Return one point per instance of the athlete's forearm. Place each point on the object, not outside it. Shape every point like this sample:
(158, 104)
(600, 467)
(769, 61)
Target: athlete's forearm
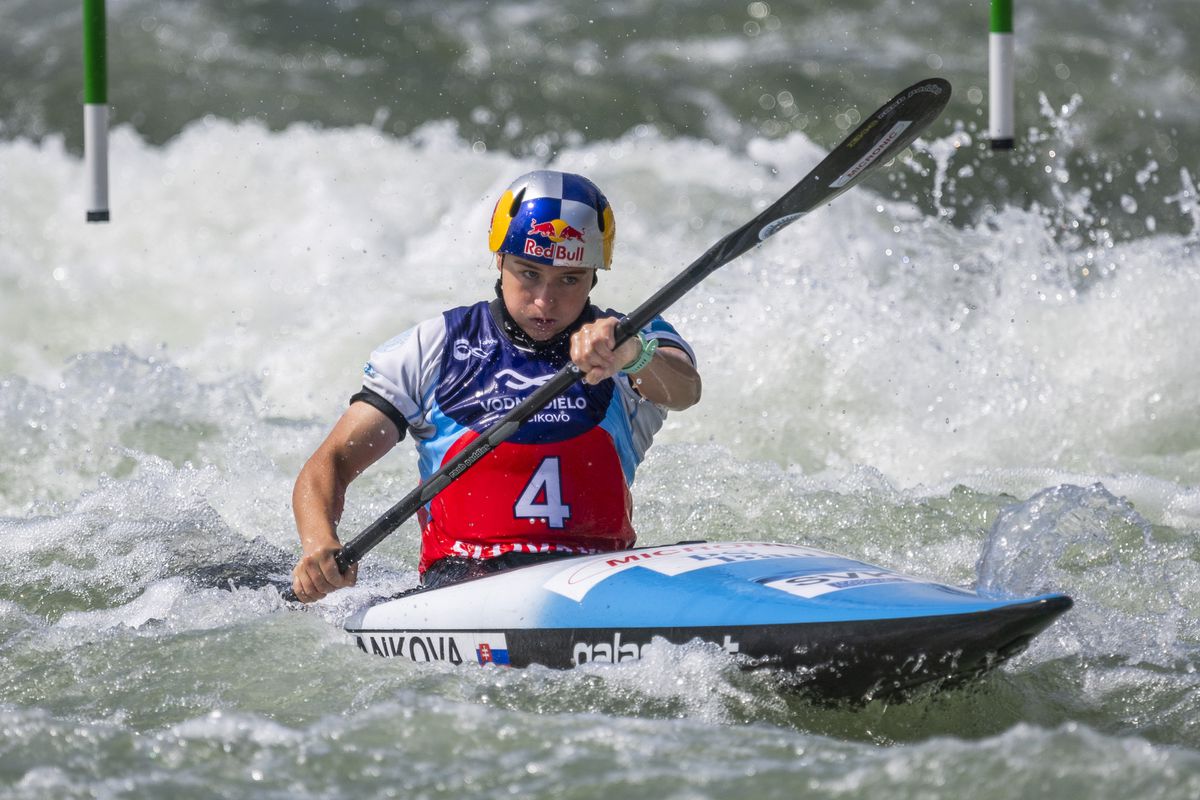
(317, 502)
(669, 380)
(361, 437)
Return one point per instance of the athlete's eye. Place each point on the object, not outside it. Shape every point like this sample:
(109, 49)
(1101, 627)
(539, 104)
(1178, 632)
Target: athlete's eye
(530, 275)
(570, 280)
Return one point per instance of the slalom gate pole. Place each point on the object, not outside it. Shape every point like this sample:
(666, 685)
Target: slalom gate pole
(95, 109)
(1000, 76)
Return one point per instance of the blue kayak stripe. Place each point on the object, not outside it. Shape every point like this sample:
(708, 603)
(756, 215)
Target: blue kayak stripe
(738, 593)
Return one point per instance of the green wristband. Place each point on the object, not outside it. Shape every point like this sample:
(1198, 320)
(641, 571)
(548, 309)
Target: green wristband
(639, 363)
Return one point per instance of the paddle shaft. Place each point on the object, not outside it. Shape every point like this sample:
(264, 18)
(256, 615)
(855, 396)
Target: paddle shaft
(880, 137)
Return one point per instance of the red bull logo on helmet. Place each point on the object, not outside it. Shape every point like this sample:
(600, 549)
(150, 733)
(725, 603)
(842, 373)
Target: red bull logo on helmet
(556, 252)
(556, 230)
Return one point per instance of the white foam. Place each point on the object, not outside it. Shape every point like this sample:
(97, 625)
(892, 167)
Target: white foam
(153, 604)
(866, 334)
(234, 728)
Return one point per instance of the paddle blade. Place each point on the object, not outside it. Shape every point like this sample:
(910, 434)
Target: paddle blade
(878, 139)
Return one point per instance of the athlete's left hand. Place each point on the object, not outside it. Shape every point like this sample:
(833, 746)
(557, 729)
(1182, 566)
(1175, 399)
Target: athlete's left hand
(592, 350)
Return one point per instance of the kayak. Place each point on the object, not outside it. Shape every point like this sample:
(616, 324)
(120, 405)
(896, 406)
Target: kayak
(848, 630)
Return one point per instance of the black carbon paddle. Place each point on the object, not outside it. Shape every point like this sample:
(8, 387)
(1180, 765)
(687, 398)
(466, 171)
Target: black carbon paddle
(878, 139)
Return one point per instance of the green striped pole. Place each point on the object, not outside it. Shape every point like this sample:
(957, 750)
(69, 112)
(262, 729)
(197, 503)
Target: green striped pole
(1001, 76)
(95, 109)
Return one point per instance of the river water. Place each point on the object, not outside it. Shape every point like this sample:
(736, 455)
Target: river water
(976, 367)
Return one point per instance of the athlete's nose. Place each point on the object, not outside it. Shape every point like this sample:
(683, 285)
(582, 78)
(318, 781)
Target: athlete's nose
(543, 295)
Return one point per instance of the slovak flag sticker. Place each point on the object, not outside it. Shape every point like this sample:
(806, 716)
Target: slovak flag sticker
(488, 655)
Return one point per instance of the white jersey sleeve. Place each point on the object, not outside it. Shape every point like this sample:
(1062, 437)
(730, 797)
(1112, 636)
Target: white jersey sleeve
(404, 371)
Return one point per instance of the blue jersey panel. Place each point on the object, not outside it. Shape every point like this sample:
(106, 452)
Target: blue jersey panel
(484, 376)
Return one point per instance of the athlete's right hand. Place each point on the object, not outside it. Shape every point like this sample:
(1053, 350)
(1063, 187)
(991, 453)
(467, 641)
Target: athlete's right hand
(316, 574)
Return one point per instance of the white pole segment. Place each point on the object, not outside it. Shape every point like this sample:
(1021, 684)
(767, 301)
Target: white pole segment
(1000, 90)
(95, 149)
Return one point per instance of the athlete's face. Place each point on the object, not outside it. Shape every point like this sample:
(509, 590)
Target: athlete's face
(543, 300)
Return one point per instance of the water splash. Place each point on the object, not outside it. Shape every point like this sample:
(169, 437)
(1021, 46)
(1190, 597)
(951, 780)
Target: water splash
(1187, 201)
(1137, 589)
(942, 151)
(115, 542)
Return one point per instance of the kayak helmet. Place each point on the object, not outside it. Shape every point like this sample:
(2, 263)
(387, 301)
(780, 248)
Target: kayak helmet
(554, 218)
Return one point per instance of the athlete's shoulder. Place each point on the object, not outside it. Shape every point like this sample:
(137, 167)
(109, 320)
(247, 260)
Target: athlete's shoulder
(460, 314)
(406, 362)
(420, 335)
(425, 342)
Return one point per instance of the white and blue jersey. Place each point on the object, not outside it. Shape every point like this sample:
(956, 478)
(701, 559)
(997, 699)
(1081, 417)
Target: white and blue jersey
(560, 483)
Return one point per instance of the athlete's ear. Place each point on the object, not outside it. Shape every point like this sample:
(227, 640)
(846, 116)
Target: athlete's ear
(500, 262)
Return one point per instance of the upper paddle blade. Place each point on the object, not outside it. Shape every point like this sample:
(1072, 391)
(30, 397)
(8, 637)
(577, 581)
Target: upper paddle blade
(878, 139)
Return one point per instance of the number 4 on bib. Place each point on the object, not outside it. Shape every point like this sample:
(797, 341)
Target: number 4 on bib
(542, 496)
